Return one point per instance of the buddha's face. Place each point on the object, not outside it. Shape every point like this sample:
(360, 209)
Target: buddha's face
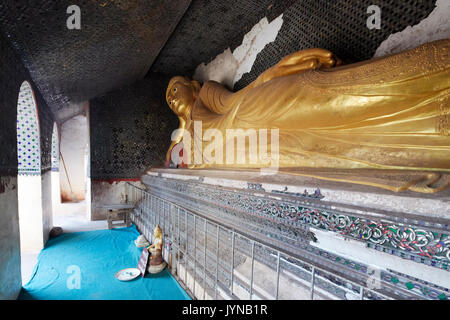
(180, 97)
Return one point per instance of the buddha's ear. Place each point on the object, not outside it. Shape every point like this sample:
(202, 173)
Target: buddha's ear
(196, 88)
(196, 85)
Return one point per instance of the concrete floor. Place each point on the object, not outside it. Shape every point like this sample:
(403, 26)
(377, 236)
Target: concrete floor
(72, 218)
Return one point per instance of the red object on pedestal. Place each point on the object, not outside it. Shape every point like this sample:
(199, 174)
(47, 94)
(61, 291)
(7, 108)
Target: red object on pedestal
(181, 155)
(183, 163)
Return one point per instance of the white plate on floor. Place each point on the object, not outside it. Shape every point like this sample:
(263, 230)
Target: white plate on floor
(128, 274)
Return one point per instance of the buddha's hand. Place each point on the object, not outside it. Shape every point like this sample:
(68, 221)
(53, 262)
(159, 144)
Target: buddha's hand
(316, 58)
(299, 62)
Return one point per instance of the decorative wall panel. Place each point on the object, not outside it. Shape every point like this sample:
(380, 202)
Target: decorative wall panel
(130, 129)
(28, 141)
(11, 78)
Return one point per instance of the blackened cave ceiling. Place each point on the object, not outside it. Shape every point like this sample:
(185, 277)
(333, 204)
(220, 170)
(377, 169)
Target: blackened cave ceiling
(116, 45)
(121, 41)
(210, 26)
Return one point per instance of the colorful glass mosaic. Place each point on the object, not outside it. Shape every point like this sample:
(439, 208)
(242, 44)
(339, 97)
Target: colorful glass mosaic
(55, 148)
(28, 142)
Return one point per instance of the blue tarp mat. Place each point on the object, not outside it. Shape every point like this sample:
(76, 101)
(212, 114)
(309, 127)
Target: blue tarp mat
(97, 255)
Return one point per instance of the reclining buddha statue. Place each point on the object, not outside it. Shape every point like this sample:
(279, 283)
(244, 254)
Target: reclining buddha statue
(389, 113)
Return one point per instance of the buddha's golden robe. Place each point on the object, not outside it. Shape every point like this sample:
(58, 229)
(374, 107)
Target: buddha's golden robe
(386, 113)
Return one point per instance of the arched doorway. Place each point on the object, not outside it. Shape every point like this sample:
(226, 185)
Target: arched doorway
(29, 172)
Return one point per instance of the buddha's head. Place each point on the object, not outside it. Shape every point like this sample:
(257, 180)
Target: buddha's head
(181, 94)
(157, 232)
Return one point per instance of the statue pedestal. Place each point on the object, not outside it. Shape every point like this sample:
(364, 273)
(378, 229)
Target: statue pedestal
(156, 262)
(398, 232)
(157, 268)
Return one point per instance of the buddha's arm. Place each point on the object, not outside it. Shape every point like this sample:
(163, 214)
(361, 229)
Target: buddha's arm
(213, 95)
(298, 62)
(177, 139)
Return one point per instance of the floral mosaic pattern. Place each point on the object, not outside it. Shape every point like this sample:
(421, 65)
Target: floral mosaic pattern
(28, 142)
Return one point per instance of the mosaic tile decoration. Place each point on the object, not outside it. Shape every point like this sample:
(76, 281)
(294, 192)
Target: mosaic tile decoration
(55, 149)
(130, 130)
(28, 141)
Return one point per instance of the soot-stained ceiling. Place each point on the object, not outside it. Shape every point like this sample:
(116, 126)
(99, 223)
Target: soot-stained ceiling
(116, 45)
(122, 41)
(210, 27)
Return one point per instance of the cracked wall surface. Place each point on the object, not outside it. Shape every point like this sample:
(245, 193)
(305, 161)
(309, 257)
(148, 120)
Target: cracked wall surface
(436, 26)
(130, 129)
(228, 67)
(338, 26)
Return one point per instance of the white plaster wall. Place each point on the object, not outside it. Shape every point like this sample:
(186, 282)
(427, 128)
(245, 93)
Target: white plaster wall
(47, 205)
(228, 67)
(30, 213)
(56, 192)
(74, 138)
(108, 192)
(434, 27)
(103, 193)
(10, 277)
